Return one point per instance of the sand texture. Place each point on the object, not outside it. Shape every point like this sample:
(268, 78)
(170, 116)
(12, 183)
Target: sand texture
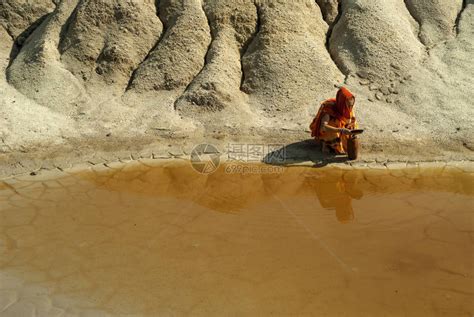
(79, 74)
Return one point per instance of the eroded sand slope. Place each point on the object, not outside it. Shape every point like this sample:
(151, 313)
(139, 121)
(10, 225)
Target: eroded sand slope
(208, 69)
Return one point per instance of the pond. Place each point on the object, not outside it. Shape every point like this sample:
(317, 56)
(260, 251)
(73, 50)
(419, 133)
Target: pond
(143, 239)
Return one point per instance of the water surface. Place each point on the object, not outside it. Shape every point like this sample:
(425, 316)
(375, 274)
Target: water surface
(164, 240)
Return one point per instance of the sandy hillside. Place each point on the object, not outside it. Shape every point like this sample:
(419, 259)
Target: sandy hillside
(116, 75)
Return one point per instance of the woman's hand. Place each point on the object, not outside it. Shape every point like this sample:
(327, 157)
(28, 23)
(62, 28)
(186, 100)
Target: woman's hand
(345, 131)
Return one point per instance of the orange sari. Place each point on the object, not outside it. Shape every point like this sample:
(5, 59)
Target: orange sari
(340, 116)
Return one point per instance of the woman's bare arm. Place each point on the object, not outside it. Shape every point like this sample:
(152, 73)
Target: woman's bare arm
(326, 127)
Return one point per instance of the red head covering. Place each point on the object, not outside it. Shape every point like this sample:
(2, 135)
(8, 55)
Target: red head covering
(341, 108)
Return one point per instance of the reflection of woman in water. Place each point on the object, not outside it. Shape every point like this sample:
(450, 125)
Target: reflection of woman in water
(337, 194)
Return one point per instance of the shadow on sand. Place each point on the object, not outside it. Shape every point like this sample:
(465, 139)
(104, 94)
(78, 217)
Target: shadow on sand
(303, 151)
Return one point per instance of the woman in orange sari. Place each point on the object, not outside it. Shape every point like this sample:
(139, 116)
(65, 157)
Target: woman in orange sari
(334, 121)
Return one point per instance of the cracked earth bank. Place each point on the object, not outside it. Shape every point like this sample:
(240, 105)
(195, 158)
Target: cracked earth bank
(82, 76)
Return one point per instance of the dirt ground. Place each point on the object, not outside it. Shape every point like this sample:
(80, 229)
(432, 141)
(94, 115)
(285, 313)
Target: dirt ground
(98, 82)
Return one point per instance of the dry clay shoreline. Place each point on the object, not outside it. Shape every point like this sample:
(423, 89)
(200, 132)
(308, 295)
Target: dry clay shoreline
(305, 153)
(295, 146)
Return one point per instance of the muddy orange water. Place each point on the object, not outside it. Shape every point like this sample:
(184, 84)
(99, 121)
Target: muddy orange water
(164, 240)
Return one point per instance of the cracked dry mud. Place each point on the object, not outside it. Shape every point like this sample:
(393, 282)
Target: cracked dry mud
(148, 239)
